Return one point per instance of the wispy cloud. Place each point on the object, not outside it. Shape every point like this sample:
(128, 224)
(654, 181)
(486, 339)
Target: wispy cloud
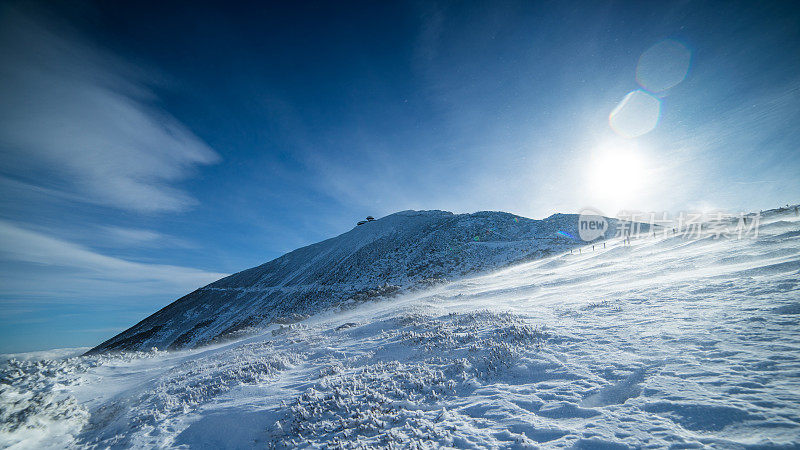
(138, 237)
(133, 235)
(87, 123)
(42, 265)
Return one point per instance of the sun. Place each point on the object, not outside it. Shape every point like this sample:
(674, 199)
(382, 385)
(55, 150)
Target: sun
(616, 173)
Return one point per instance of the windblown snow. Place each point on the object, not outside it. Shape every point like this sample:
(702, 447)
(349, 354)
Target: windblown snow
(666, 342)
(398, 253)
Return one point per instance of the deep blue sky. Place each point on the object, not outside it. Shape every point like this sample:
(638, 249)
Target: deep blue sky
(151, 147)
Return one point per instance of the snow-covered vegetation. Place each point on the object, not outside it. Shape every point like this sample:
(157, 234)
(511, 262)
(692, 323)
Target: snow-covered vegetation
(666, 342)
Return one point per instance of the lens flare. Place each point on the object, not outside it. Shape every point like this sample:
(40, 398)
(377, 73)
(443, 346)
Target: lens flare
(663, 66)
(636, 114)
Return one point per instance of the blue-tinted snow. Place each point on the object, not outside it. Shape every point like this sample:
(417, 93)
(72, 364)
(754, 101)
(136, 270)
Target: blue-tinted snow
(663, 343)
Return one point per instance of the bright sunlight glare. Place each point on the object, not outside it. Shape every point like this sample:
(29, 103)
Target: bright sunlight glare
(616, 173)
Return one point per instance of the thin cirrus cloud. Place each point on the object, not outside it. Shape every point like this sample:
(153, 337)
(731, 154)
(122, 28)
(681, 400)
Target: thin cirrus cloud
(85, 122)
(67, 269)
(123, 237)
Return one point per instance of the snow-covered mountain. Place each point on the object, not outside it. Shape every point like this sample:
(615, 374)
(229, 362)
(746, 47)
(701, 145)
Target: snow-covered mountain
(399, 252)
(668, 342)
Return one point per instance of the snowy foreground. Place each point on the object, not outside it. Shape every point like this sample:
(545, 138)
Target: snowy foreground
(667, 342)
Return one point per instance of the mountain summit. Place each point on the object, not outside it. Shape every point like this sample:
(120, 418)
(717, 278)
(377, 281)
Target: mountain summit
(402, 251)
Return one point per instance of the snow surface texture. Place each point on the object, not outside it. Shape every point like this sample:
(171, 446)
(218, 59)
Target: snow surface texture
(666, 342)
(398, 253)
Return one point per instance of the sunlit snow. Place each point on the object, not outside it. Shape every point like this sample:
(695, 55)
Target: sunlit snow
(666, 342)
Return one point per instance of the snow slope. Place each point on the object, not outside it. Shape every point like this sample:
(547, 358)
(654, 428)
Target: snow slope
(402, 251)
(667, 342)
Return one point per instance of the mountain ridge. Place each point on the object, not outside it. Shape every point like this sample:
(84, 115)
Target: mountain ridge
(401, 251)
